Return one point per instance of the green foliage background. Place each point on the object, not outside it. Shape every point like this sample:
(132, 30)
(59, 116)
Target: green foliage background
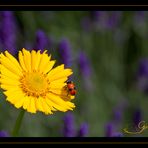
(114, 55)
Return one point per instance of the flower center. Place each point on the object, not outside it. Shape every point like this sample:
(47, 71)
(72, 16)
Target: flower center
(34, 84)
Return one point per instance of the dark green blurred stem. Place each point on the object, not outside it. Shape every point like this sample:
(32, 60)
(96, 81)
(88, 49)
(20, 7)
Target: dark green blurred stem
(18, 123)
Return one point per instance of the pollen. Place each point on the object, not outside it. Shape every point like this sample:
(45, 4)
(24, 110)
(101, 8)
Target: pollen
(35, 84)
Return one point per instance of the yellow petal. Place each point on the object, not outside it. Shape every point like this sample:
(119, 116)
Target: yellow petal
(33, 59)
(27, 59)
(8, 73)
(13, 90)
(8, 81)
(31, 107)
(46, 108)
(49, 103)
(44, 60)
(9, 65)
(56, 106)
(71, 105)
(48, 66)
(13, 60)
(62, 80)
(61, 73)
(19, 103)
(56, 70)
(38, 57)
(26, 102)
(57, 100)
(21, 60)
(7, 87)
(39, 104)
(53, 85)
(13, 96)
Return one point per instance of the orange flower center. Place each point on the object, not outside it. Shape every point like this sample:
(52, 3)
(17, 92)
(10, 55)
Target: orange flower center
(34, 84)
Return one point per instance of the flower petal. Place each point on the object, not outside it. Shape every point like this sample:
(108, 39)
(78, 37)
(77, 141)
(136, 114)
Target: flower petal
(21, 60)
(31, 106)
(58, 73)
(46, 108)
(57, 100)
(27, 59)
(8, 73)
(9, 65)
(33, 59)
(13, 60)
(44, 60)
(38, 58)
(26, 102)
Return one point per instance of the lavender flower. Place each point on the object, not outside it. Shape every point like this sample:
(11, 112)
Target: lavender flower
(113, 20)
(118, 111)
(69, 127)
(118, 115)
(83, 131)
(84, 64)
(65, 52)
(142, 75)
(109, 129)
(96, 15)
(117, 134)
(107, 20)
(8, 31)
(4, 134)
(41, 41)
(137, 117)
(85, 70)
(143, 68)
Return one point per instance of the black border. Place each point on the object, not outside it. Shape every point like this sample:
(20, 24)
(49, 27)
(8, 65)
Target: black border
(73, 140)
(72, 2)
(73, 5)
(48, 5)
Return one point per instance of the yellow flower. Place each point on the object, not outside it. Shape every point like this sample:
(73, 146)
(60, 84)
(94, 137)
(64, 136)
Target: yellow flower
(33, 83)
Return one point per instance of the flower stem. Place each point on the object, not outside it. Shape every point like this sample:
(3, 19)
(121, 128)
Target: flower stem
(18, 123)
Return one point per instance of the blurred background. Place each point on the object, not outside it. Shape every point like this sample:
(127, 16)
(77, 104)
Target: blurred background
(108, 52)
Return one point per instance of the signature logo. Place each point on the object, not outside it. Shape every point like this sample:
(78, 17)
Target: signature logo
(141, 127)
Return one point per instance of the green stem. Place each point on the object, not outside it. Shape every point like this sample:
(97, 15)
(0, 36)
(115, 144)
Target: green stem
(18, 123)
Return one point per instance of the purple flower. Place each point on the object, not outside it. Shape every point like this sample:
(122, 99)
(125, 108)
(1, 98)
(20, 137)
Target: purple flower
(142, 75)
(118, 111)
(41, 42)
(4, 134)
(65, 52)
(118, 115)
(85, 71)
(83, 131)
(117, 134)
(107, 20)
(69, 127)
(143, 68)
(109, 129)
(84, 64)
(96, 15)
(113, 20)
(8, 31)
(137, 116)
